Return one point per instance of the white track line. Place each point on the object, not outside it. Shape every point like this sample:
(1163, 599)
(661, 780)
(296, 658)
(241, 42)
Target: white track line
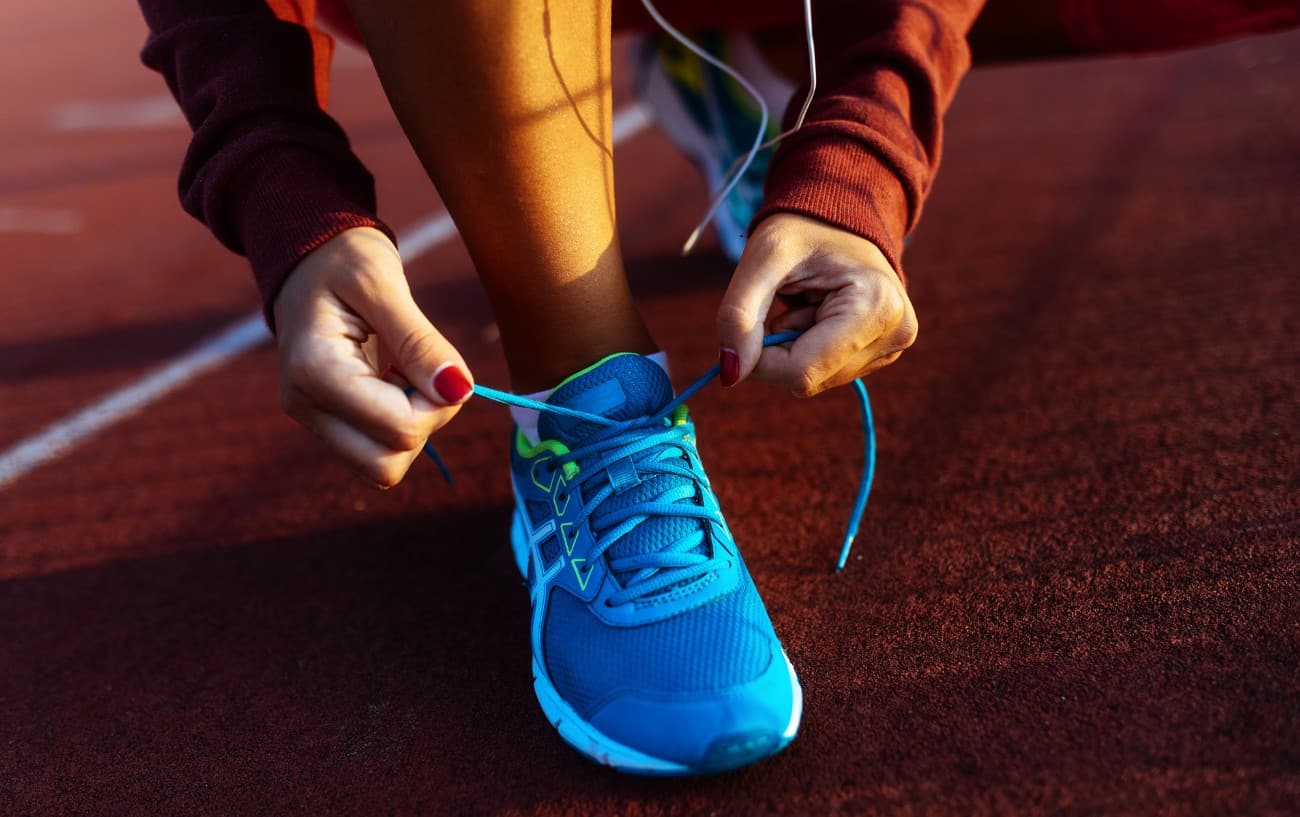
(246, 333)
(39, 220)
(158, 111)
(629, 121)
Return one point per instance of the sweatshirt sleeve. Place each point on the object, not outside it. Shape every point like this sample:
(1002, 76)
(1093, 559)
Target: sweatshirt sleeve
(267, 170)
(867, 153)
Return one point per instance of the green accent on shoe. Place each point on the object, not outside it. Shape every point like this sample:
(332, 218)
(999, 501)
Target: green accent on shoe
(595, 365)
(556, 448)
(583, 578)
(568, 536)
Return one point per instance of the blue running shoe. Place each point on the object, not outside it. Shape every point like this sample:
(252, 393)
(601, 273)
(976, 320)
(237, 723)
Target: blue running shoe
(712, 119)
(652, 651)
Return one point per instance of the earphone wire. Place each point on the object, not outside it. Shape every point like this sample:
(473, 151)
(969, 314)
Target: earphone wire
(742, 164)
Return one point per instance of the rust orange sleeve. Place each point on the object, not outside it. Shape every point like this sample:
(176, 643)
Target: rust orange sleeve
(267, 170)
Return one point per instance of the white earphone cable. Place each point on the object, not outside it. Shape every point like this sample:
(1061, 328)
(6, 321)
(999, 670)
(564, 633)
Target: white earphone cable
(741, 165)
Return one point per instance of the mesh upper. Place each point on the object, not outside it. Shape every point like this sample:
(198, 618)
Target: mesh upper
(550, 550)
(538, 512)
(720, 645)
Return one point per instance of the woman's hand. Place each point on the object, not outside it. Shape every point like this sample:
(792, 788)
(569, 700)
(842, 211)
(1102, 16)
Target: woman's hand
(346, 303)
(834, 284)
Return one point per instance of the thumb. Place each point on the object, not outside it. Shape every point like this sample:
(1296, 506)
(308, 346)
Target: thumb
(419, 352)
(742, 315)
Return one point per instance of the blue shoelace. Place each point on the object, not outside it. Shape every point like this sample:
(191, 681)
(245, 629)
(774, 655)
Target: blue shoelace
(652, 446)
(650, 440)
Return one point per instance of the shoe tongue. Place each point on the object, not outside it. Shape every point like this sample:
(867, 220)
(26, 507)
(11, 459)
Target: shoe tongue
(620, 387)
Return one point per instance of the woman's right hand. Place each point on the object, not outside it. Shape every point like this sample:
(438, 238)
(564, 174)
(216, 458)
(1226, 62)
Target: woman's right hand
(345, 310)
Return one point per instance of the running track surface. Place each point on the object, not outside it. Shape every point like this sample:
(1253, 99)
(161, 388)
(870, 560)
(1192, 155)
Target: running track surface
(1075, 592)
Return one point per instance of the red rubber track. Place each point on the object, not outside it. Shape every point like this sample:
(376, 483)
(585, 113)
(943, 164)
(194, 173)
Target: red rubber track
(1077, 586)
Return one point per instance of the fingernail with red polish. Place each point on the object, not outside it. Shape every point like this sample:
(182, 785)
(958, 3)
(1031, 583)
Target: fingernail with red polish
(729, 362)
(451, 384)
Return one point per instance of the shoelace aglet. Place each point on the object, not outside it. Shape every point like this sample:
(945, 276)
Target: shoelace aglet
(844, 552)
(694, 237)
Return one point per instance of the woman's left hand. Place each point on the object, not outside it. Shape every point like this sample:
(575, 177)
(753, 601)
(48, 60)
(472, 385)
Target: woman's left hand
(832, 283)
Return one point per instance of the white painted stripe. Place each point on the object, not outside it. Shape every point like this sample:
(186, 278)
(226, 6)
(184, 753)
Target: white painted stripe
(247, 333)
(629, 121)
(160, 111)
(425, 235)
(68, 432)
(347, 55)
(38, 220)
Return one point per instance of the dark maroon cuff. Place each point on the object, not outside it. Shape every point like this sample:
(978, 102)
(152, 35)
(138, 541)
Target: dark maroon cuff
(286, 201)
(841, 182)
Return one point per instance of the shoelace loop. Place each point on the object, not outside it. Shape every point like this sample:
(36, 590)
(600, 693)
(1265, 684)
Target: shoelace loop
(655, 447)
(665, 567)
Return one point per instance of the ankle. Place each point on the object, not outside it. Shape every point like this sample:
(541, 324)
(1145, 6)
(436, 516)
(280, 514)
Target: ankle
(541, 360)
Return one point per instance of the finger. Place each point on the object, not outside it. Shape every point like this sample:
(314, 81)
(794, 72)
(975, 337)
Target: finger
(849, 322)
(804, 365)
(336, 376)
(378, 408)
(370, 349)
(742, 314)
(793, 320)
(419, 351)
(844, 328)
(391, 375)
(882, 352)
(796, 298)
(373, 461)
(875, 358)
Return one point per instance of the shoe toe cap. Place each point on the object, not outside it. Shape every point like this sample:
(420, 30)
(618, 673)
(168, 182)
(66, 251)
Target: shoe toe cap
(709, 732)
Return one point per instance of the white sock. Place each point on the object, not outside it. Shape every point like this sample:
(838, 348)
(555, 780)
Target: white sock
(527, 418)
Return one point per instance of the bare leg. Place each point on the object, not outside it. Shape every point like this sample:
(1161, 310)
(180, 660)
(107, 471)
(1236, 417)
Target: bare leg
(508, 105)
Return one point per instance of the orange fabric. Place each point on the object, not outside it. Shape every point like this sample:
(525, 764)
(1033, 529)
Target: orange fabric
(303, 13)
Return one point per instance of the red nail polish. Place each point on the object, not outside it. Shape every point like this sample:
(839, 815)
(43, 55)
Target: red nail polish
(729, 362)
(451, 384)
